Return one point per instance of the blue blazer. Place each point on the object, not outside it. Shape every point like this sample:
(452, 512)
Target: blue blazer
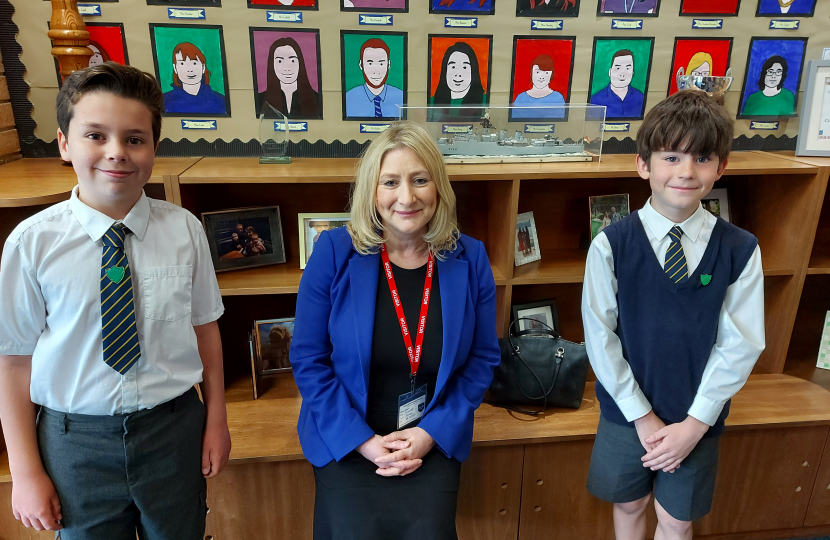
(332, 347)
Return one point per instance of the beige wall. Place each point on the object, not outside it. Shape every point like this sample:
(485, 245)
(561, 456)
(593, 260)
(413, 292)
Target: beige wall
(31, 17)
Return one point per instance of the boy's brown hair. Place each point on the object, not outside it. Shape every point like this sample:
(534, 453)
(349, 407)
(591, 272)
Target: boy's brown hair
(688, 121)
(123, 81)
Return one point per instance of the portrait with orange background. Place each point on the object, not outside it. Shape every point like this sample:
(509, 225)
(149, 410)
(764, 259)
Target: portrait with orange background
(438, 45)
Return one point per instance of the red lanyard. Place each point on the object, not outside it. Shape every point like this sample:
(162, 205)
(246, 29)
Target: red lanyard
(414, 354)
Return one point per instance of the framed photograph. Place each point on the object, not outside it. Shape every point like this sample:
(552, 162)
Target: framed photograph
(773, 74)
(619, 76)
(459, 72)
(540, 314)
(311, 226)
(374, 74)
(380, 6)
(272, 341)
(290, 57)
(244, 237)
(717, 203)
(107, 42)
(699, 56)
(547, 8)
(191, 69)
(616, 8)
(284, 4)
(542, 75)
(527, 241)
(824, 347)
(463, 7)
(790, 8)
(606, 210)
(814, 128)
(722, 8)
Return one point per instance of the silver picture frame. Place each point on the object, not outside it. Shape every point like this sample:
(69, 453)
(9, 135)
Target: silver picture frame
(815, 107)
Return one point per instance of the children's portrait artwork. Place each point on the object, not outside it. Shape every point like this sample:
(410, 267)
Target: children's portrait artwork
(380, 6)
(710, 7)
(285, 4)
(107, 42)
(527, 241)
(619, 76)
(706, 57)
(547, 8)
(776, 8)
(311, 226)
(641, 8)
(287, 75)
(463, 7)
(542, 70)
(606, 210)
(773, 74)
(459, 75)
(273, 341)
(373, 67)
(191, 69)
(185, 3)
(244, 238)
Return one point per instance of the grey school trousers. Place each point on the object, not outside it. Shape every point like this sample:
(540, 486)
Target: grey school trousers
(118, 476)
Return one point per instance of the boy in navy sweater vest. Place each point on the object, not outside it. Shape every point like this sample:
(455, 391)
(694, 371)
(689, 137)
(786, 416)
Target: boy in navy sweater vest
(673, 308)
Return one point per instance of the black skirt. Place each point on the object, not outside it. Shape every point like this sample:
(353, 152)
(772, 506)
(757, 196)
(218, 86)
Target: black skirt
(354, 503)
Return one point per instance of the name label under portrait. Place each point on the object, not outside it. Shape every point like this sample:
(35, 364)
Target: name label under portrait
(177, 13)
(539, 128)
(539, 24)
(199, 124)
(284, 16)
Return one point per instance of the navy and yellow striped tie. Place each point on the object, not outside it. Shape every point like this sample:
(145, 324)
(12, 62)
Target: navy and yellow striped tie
(121, 349)
(675, 265)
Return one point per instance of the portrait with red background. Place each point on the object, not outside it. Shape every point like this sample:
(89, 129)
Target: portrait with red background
(296, 4)
(526, 49)
(109, 37)
(720, 49)
(709, 7)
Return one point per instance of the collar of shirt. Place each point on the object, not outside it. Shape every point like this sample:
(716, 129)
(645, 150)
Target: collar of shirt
(370, 96)
(660, 225)
(95, 223)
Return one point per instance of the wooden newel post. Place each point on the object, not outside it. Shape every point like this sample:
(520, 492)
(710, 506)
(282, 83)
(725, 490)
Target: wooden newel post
(69, 37)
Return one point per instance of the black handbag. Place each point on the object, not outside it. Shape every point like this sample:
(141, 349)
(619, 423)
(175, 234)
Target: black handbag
(538, 367)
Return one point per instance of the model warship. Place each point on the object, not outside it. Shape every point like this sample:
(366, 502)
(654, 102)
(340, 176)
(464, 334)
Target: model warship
(492, 144)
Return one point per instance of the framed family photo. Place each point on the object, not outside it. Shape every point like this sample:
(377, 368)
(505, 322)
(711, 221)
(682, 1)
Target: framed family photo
(814, 128)
(244, 237)
(527, 241)
(272, 341)
(311, 226)
(717, 203)
(606, 210)
(538, 315)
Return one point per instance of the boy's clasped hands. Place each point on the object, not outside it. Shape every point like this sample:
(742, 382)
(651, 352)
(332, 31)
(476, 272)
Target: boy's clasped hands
(667, 446)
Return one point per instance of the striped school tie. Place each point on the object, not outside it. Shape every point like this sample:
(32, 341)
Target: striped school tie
(675, 265)
(120, 337)
(378, 113)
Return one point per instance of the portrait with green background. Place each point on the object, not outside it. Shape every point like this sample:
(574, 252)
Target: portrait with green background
(353, 76)
(207, 39)
(604, 50)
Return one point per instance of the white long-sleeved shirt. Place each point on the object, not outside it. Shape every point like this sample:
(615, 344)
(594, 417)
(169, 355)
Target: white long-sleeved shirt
(740, 338)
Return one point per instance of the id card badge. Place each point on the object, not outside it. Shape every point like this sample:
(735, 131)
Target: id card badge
(411, 406)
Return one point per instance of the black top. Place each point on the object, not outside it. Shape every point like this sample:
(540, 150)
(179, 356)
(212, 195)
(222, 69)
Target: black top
(389, 373)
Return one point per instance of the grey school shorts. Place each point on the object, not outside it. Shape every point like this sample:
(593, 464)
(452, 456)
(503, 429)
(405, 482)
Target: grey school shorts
(127, 475)
(617, 474)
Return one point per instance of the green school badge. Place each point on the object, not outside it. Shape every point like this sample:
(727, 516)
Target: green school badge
(705, 279)
(116, 274)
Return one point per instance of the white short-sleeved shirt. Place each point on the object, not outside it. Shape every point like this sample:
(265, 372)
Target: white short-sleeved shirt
(50, 305)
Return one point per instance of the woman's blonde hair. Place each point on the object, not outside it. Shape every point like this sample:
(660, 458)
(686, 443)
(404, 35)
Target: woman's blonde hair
(365, 225)
(697, 60)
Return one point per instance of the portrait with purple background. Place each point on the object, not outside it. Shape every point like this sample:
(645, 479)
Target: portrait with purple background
(384, 6)
(303, 100)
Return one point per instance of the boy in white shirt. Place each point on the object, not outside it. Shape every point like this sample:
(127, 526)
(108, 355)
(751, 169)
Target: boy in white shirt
(107, 320)
(673, 308)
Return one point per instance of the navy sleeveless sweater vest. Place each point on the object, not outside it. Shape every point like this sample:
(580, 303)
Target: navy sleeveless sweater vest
(668, 330)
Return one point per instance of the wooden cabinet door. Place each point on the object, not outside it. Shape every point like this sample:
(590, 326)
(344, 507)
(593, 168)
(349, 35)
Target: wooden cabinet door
(489, 498)
(818, 513)
(765, 477)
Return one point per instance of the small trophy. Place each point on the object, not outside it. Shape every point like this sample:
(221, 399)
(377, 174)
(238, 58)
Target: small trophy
(273, 135)
(715, 87)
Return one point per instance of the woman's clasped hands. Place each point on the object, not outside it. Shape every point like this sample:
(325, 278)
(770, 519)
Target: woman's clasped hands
(398, 453)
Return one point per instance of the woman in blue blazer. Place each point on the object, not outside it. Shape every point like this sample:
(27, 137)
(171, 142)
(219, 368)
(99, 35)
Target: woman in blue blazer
(386, 445)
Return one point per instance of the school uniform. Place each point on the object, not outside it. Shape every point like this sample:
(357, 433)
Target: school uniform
(676, 331)
(105, 433)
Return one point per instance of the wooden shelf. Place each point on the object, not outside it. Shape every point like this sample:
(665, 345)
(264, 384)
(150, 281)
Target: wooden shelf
(556, 266)
(819, 264)
(5, 473)
(805, 368)
(30, 182)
